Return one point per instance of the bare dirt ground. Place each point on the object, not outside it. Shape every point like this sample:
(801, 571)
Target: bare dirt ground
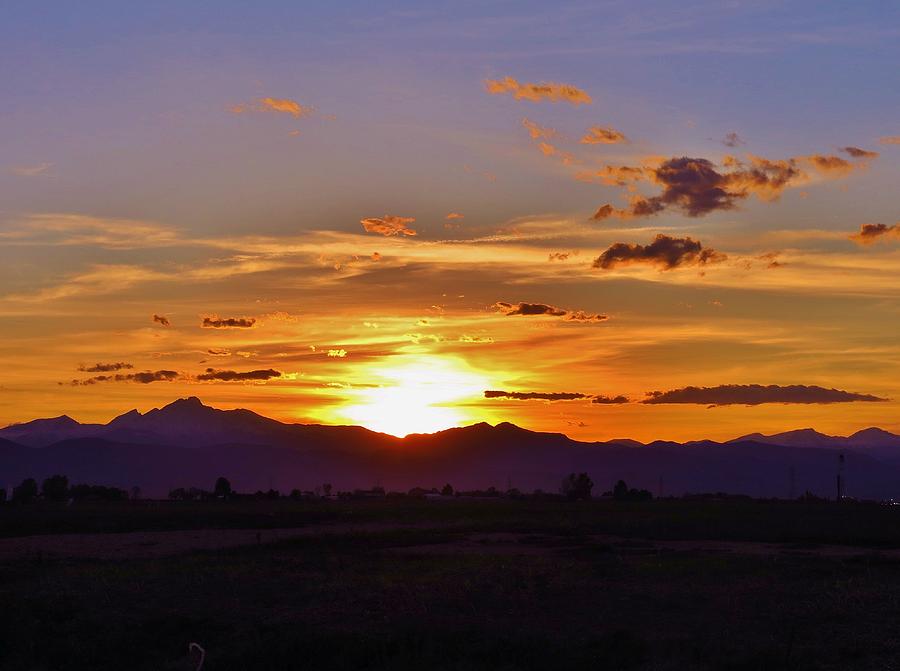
(152, 544)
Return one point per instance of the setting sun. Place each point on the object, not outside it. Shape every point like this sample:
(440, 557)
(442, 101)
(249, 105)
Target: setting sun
(421, 394)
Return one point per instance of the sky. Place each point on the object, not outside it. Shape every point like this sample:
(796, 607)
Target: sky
(651, 220)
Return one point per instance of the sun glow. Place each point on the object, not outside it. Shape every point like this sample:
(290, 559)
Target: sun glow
(418, 395)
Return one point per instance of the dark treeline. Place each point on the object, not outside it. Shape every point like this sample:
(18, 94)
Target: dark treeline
(574, 487)
(57, 488)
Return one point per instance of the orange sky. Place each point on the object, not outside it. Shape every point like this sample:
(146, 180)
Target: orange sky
(351, 242)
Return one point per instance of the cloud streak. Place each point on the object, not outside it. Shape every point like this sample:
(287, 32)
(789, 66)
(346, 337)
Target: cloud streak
(213, 375)
(755, 394)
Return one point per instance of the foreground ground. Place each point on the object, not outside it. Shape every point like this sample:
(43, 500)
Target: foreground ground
(481, 585)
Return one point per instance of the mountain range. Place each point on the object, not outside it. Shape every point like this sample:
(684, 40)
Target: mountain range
(187, 443)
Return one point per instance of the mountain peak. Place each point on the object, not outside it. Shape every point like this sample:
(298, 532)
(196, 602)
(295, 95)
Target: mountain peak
(189, 402)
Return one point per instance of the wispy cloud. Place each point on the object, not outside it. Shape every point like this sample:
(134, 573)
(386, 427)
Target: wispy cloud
(549, 91)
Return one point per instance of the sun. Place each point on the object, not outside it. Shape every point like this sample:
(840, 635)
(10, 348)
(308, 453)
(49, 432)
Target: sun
(416, 394)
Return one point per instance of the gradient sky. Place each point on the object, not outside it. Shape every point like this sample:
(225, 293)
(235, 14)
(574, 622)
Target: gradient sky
(263, 167)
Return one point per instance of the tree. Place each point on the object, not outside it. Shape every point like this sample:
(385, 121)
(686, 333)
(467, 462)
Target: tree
(447, 490)
(576, 487)
(327, 489)
(55, 488)
(26, 492)
(222, 489)
(620, 491)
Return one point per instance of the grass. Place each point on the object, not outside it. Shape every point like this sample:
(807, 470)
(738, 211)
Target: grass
(358, 601)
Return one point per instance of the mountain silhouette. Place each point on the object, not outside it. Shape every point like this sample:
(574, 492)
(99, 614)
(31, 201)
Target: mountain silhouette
(187, 443)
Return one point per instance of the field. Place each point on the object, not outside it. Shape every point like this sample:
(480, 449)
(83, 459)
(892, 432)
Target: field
(450, 585)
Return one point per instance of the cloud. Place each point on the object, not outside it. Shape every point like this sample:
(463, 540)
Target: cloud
(664, 251)
(756, 394)
(475, 339)
(536, 131)
(145, 377)
(856, 152)
(218, 352)
(388, 225)
(697, 187)
(105, 367)
(609, 400)
(531, 309)
(535, 395)
(214, 322)
(550, 91)
(212, 374)
(889, 139)
(455, 215)
(77, 229)
(336, 353)
(280, 105)
(601, 135)
(732, 139)
(31, 170)
(869, 233)
(159, 319)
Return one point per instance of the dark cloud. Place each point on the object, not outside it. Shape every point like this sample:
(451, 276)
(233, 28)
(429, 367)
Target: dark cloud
(609, 400)
(159, 319)
(535, 395)
(531, 309)
(732, 140)
(105, 367)
(869, 233)
(235, 376)
(601, 135)
(145, 377)
(756, 394)
(215, 322)
(697, 187)
(664, 251)
(856, 152)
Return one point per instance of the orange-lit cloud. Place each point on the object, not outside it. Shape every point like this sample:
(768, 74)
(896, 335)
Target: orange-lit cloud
(454, 215)
(665, 252)
(105, 367)
(549, 91)
(889, 139)
(536, 131)
(268, 104)
(388, 225)
(601, 135)
(869, 233)
(161, 320)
